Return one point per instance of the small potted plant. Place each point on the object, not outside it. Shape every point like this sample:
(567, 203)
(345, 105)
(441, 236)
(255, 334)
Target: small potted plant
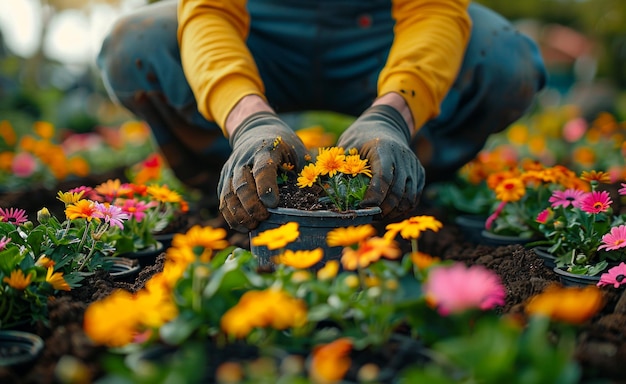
(333, 185)
(521, 194)
(148, 208)
(582, 232)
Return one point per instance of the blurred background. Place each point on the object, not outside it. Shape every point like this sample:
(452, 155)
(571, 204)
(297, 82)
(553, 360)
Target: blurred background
(47, 74)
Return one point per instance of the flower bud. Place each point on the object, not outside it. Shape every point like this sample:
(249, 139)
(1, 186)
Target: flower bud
(43, 215)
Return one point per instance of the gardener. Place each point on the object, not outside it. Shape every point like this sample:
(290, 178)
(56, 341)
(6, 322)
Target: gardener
(428, 80)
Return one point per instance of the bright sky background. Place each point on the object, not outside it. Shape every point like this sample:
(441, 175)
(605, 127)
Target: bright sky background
(74, 36)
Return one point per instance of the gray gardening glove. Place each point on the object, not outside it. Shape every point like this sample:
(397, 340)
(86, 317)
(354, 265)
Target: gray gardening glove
(381, 135)
(248, 182)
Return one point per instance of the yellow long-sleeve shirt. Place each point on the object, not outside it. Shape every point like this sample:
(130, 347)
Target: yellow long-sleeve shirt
(430, 37)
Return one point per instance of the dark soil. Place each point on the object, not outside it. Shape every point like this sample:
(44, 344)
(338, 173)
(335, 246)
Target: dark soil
(601, 347)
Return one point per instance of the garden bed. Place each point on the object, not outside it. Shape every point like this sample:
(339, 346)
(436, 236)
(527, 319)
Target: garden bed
(600, 349)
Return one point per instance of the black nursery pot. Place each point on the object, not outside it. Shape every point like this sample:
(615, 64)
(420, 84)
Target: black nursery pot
(471, 227)
(313, 227)
(148, 256)
(18, 348)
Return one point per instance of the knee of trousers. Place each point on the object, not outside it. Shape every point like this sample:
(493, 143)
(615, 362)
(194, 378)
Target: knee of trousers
(126, 56)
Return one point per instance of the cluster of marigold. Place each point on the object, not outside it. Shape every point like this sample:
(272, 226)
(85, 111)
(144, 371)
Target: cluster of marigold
(563, 136)
(450, 288)
(38, 154)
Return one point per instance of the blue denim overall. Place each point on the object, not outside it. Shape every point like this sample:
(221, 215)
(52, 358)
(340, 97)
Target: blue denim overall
(318, 55)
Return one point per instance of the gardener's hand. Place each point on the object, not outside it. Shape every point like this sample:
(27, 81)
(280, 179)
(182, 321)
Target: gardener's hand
(248, 182)
(381, 135)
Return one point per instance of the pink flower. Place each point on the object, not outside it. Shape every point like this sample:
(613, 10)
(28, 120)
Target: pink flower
(574, 129)
(457, 288)
(544, 216)
(596, 202)
(135, 209)
(622, 190)
(615, 276)
(24, 164)
(571, 196)
(111, 214)
(16, 216)
(3, 242)
(494, 215)
(88, 193)
(615, 239)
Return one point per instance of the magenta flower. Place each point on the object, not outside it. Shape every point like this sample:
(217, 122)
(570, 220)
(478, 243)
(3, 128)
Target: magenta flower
(596, 202)
(457, 288)
(135, 209)
(88, 193)
(15, 216)
(24, 165)
(544, 216)
(111, 214)
(615, 239)
(615, 276)
(3, 242)
(490, 220)
(571, 196)
(622, 190)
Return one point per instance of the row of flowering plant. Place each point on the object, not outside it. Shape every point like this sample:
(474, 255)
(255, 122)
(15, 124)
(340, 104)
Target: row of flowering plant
(521, 193)
(39, 258)
(581, 227)
(315, 322)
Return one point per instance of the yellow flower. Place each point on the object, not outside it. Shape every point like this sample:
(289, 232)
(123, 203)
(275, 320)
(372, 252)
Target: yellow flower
(308, 176)
(369, 251)
(17, 280)
(331, 362)
(70, 197)
(511, 189)
(584, 156)
(208, 238)
(412, 227)
(81, 209)
(164, 194)
(113, 331)
(517, 134)
(278, 237)
(423, 260)
(345, 237)
(269, 308)
(134, 132)
(56, 280)
(573, 305)
(330, 160)
(354, 165)
(155, 302)
(329, 270)
(300, 259)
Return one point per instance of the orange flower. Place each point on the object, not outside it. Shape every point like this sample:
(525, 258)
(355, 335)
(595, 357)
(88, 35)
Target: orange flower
(423, 260)
(300, 259)
(7, 133)
(111, 189)
(330, 362)
(18, 280)
(115, 331)
(81, 209)
(44, 129)
(573, 305)
(315, 137)
(345, 237)
(278, 237)
(369, 251)
(511, 189)
(598, 176)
